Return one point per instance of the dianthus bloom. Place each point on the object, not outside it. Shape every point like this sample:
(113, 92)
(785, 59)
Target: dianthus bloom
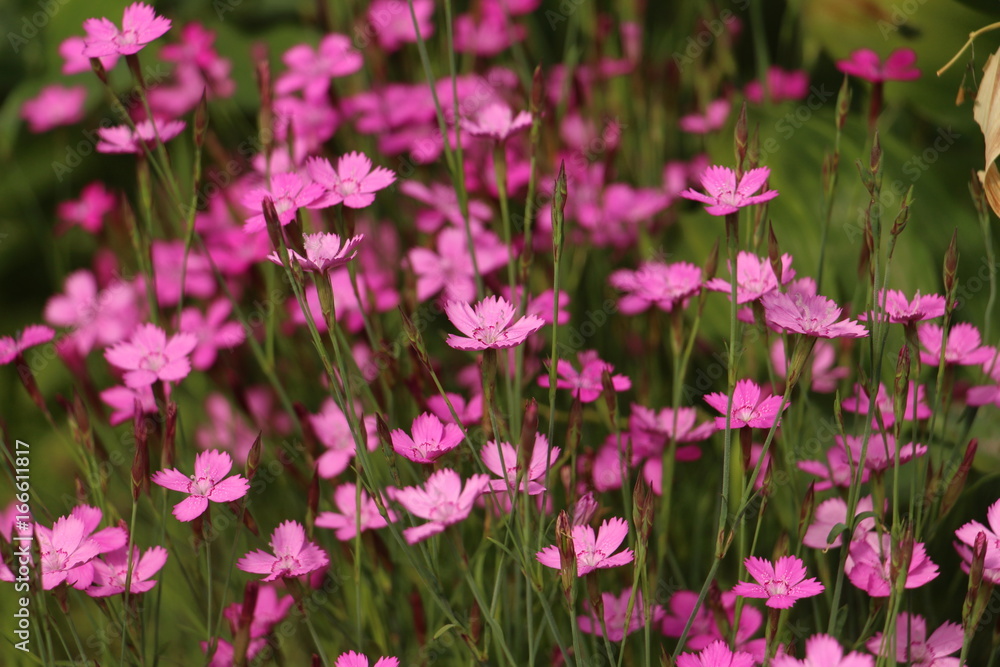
(431, 439)
(825, 651)
(615, 610)
(352, 659)
(140, 26)
(903, 311)
(963, 347)
(865, 64)
(288, 193)
(112, 572)
(501, 459)
(54, 106)
(148, 356)
(781, 583)
(121, 138)
(713, 118)
(725, 195)
(488, 325)
(716, 654)
(750, 408)
(808, 315)
(497, 121)
(967, 536)
(324, 252)
(915, 648)
(442, 501)
(588, 383)
(346, 522)
(35, 334)
(593, 552)
(310, 71)
(354, 182)
(665, 286)
(293, 555)
(755, 277)
(209, 482)
(869, 564)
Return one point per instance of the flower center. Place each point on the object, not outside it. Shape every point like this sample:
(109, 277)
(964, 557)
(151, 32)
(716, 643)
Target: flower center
(153, 361)
(283, 203)
(349, 187)
(200, 486)
(444, 511)
(127, 38)
(54, 561)
(285, 563)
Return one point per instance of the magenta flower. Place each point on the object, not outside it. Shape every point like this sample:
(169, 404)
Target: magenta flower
(324, 252)
(593, 552)
(111, 572)
(225, 428)
(713, 118)
(431, 439)
(32, 335)
(89, 210)
(443, 201)
(293, 555)
(865, 64)
(915, 648)
(354, 182)
(824, 374)
(869, 565)
(968, 532)
(333, 430)
(963, 347)
(859, 403)
(781, 583)
(509, 469)
(121, 138)
(754, 277)
(97, 317)
(345, 522)
(716, 654)
(497, 121)
(825, 651)
(140, 26)
(394, 27)
(587, 383)
(781, 85)
(212, 331)
(169, 264)
(65, 547)
(705, 627)
(615, 610)
(352, 659)
(441, 500)
(107, 539)
(750, 408)
(990, 393)
(209, 482)
(148, 356)
(469, 412)
(310, 71)
(54, 106)
(450, 268)
(665, 286)
(808, 315)
(488, 325)
(123, 400)
(74, 62)
(288, 192)
(725, 195)
(829, 514)
(902, 311)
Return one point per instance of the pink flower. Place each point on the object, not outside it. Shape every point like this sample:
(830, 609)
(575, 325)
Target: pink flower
(705, 627)
(111, 572)
(444, 207)
(288, 192)
(324, 252)
(781, 85)
(393, 25)
(74, 62)
(754, 277)
(880, 455)
(469, 412)
(496, 121)
(352, 659)
(749, 407)
(587, 384)
(451, 268)
(593, 552)
(209, 482)
(140, 26)
(712, 119)
(293, 555)
(212, 331)
(865, 64)
(716, 654)
(121, 138)
(89, 210)
(825, 651)
(665, 286)
(488, 34)
(869, 565)
(441, 500)
(169, 264)
(334, 431)
(148, 356)
(509, 469)
(225, 428)
(824, 374)
(808, 315)
(107, 539)
(963, 347)
(986, 394)
(54, 106)
(902, 311)
(915, 648)
(431, 439)
(615, 610)
(725, 195)
(488, 325)
(35, 334)
(123, 402)
(345, 522)
(353, 183)
(829, 514)
(781, 583)
(65, 547)
(100, 317)
(860, 404)
(968, 532)
(310, 71)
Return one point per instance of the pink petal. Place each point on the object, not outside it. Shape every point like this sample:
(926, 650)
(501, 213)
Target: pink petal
(190, 508)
